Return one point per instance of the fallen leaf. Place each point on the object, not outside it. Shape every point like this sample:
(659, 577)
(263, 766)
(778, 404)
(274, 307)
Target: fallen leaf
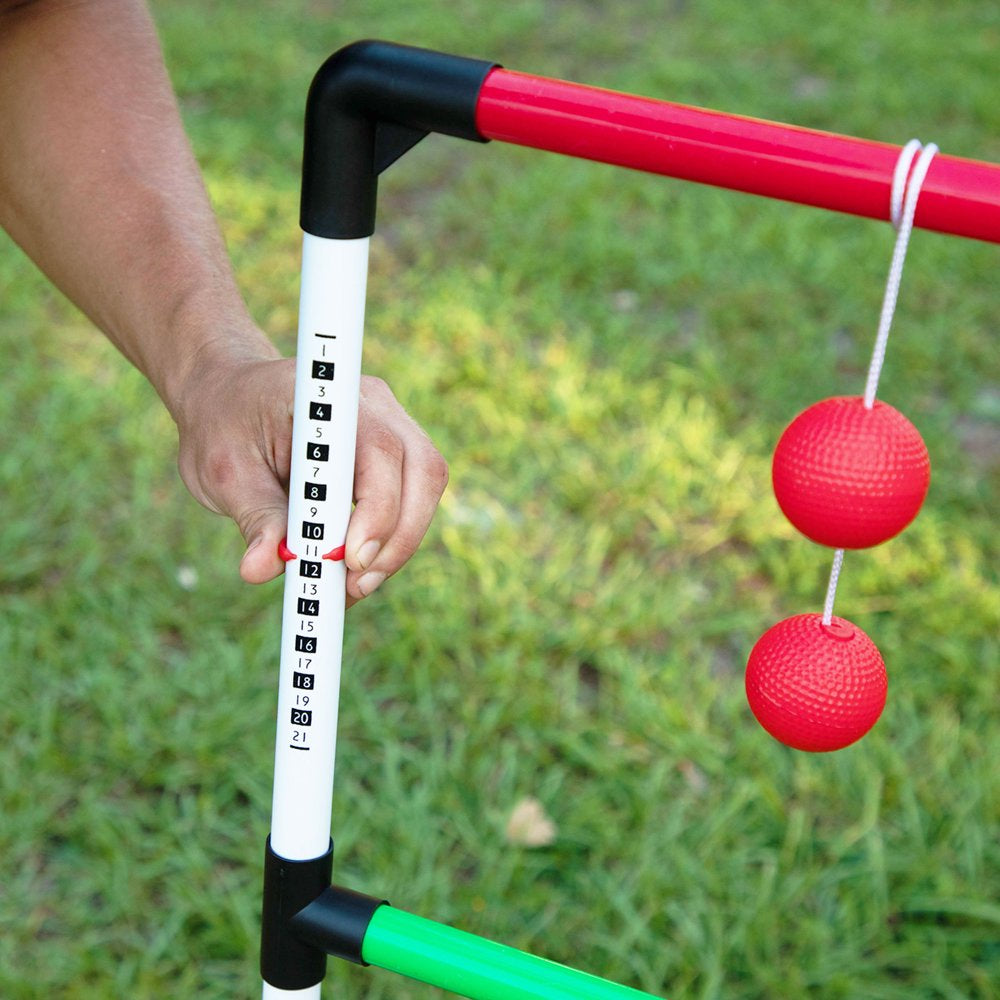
(529, 825)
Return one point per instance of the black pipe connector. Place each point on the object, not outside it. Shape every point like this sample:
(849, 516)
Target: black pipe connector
(337, 922)
(286, 961)
(305, 919)
(369, 103)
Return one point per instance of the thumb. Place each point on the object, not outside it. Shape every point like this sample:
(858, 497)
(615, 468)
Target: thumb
(263, 520)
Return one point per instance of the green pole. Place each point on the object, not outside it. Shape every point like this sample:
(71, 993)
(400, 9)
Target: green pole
(473, 967)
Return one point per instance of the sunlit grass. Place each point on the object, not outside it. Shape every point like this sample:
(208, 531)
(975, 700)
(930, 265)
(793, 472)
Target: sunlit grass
(606, 360)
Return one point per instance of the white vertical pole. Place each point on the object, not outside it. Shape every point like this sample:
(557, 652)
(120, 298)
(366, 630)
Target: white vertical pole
(274, 993)
(327, 390)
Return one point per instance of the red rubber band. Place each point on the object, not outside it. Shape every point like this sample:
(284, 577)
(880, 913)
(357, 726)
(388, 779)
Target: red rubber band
(284, 552)
(337, 554)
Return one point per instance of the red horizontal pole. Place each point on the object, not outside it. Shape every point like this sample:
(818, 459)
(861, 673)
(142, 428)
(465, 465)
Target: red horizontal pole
(959, 196)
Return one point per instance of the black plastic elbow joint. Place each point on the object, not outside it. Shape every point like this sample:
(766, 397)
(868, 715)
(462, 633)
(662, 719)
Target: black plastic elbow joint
(369, 103)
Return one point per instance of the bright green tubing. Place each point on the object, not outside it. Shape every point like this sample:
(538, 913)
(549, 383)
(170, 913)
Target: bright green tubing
(474, 967)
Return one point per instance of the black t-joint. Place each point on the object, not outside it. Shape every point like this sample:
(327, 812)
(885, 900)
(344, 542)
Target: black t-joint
(286, 961)
(369, 103)
(305, 919)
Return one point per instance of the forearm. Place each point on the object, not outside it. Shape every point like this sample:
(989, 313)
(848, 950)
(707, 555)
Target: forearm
(99, 187)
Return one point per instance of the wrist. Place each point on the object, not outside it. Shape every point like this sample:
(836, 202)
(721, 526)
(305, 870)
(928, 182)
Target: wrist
(204, 325)
(199, 359)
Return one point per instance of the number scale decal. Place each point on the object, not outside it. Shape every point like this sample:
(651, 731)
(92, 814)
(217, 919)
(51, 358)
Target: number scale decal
(327, 389)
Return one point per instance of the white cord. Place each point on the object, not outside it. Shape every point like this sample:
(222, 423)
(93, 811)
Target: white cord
(831, 590)
(903, 207)
(906, 185)
(899, 176)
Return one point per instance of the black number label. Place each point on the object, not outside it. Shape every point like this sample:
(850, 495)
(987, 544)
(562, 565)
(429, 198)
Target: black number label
(315, 491)
(313, 569)
(301, 717)
(302, 681)
(323, 370)
(312, 530)
(318, 452)
(319, 411)
(305, 644)
(308, 607)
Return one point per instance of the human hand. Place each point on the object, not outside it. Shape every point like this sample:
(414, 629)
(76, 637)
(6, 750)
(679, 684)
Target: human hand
(235, 430)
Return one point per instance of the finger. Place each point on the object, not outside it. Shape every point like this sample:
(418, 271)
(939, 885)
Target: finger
(386, 535)
(234, 454)
(260, 510)
(261, 561)
(399, 479)
(378, 493)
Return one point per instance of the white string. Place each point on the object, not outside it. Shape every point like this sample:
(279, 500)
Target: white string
(899, 176)
(831, 590)
(903, 197)
(902, 207)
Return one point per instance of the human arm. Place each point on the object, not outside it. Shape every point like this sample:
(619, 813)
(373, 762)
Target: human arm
(99, 186)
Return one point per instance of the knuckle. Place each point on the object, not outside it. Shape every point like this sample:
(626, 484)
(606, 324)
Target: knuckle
(436, 470)
(386, 442)
(405, 541)
(375, 386)
(264, 520)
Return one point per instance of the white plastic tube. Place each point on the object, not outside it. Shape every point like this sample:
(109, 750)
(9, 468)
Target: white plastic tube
(273, 993)
(327, 388)
(321, 491)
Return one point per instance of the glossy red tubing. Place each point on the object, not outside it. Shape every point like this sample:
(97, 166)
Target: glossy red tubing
(838, 172)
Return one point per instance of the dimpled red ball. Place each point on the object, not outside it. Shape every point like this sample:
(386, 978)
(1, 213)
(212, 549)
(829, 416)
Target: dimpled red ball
(850, 477)
(813, 686)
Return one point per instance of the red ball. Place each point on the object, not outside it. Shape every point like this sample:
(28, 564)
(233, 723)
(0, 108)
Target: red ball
(850, 477)
(813, 686)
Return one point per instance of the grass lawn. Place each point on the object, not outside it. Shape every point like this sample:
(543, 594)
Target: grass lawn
(606, 359)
